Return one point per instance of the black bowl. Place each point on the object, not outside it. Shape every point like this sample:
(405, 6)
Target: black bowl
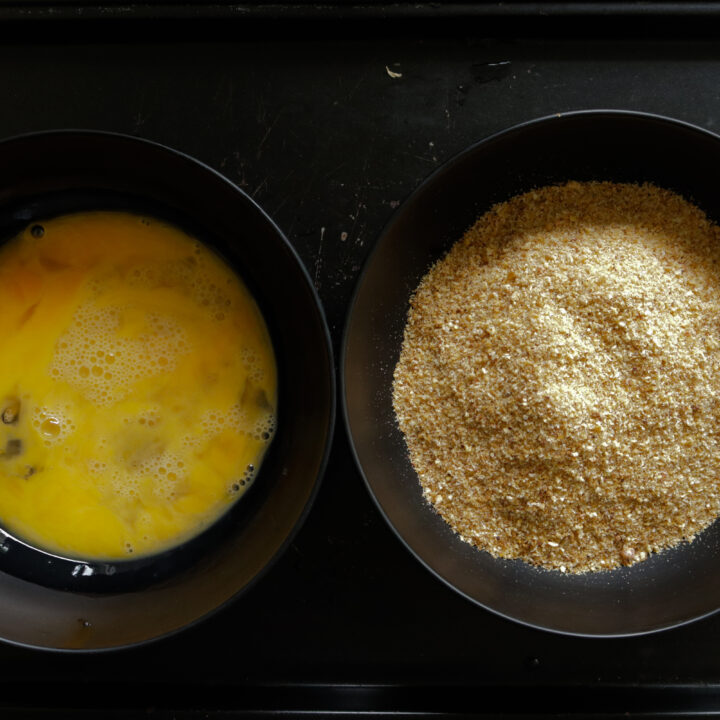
(668, 589)
(47, 601)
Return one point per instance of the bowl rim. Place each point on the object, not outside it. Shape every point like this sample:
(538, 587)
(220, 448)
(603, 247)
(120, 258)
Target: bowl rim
(418, 190)
(327, 350)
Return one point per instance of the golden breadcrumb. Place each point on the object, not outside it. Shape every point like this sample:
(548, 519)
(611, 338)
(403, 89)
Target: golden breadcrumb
(559, 381)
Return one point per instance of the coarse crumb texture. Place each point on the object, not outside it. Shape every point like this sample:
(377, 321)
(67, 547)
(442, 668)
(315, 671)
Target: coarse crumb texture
(559, 381)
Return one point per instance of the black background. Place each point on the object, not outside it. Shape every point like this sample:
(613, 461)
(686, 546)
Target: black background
(301, 112)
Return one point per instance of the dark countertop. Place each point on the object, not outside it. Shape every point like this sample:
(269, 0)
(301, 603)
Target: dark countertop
(305, 117)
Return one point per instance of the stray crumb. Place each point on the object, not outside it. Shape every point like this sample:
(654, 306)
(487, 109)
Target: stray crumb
(392, 73)
(11, 412)
(13, 447)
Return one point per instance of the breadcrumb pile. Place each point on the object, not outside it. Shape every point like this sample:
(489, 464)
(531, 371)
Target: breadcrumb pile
(559, 381)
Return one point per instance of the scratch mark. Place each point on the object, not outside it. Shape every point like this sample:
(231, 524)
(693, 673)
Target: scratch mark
(330, 173)
(447, 112)
(259, 187)
(356, 86)
(361, 205)
(415, 156)
(261, 112)
(287, 197)
(490, 71)
(355, 217)
(266, 135)
(224, 94)
(227, 110)
(318, 260)
(139, 121)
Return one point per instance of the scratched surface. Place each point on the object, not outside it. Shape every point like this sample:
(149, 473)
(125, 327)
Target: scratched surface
(329, 132)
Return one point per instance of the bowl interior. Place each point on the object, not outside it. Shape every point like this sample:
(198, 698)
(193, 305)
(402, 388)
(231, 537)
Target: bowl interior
(57, 603)
(668, 589)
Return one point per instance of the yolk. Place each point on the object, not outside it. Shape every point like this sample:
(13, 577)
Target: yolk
(137, 386)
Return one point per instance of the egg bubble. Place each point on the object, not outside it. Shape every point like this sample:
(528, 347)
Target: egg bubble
(264, 427)
(97, 339)
(53, 424)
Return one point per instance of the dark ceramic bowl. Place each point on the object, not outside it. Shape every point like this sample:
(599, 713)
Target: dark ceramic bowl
(668, 589)
(59, 603)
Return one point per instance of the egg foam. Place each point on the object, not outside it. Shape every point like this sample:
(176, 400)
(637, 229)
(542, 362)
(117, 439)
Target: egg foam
(138, 386)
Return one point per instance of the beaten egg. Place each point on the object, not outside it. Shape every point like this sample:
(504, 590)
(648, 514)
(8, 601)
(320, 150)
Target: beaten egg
(138, 386)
